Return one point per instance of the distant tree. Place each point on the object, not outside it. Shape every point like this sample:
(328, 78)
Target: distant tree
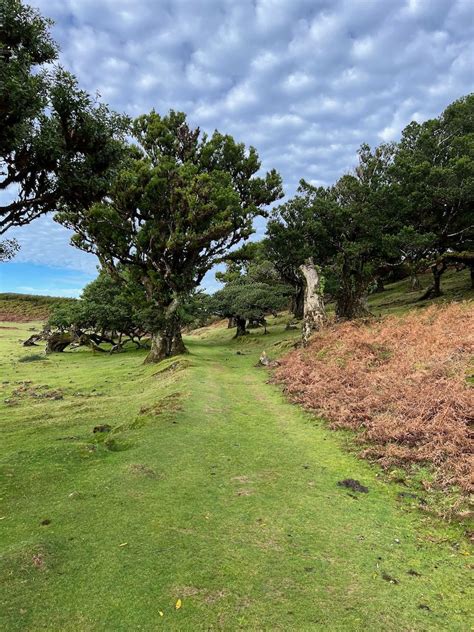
(57, 145)
(107, 311)
(250, 297)
(290, 242)
(196, 310)
(179, 203)
(343, 228)
(434, 170)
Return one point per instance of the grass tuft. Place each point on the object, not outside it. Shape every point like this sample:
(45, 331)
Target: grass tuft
(32, 357)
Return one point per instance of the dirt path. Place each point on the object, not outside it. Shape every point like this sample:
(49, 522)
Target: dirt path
(316, 553)
(210, 489)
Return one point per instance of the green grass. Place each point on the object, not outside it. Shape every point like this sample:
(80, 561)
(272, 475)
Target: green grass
(211, 489)
(398, 297)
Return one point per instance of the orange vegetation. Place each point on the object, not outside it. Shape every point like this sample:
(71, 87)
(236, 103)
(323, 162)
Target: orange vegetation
(402, 381)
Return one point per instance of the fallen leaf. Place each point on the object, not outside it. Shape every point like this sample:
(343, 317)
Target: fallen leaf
(178, 604)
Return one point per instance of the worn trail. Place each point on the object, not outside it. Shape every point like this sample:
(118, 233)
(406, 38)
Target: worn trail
(214, 491)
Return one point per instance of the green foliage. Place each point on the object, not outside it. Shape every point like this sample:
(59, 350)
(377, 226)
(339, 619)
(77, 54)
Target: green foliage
(252, 295)
(109, 307)
(58, 147)
(343, 227)
(180, 201)
(434, 173)
(8, 249)
(196, 310)
(26, 46)
(64, 316)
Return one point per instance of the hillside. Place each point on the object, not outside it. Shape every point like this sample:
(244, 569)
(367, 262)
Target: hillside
(398, 297)
(28, 307)
(400, 382)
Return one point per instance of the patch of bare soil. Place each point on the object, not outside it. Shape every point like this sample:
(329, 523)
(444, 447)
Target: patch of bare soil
(26, 390)
(350, 483)
(139, 469)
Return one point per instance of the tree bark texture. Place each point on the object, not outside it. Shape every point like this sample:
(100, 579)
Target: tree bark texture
(351, 296)
(57, 342)
(297, 307)
(240, 323)
(167, 341)
(314, 316)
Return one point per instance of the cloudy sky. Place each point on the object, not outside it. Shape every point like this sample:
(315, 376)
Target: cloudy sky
(304, 81)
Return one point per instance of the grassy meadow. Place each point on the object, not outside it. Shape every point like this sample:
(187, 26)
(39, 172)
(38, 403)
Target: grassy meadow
(212, 503)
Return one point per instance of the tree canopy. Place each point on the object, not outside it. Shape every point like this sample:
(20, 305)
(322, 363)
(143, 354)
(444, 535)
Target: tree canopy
(434, 172)
(58, 145)
(179, 202)
(251, 295)
(342, 228)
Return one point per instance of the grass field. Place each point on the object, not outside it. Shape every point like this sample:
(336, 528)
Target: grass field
(398, 297)
(210, 489)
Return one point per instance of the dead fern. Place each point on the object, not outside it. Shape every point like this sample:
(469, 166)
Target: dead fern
(402, 381)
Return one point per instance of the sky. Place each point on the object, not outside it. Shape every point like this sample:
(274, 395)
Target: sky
(304, 81)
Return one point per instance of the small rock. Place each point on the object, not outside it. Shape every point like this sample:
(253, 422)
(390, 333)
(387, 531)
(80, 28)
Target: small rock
(102, 428)
(389, 578)
(350, 483)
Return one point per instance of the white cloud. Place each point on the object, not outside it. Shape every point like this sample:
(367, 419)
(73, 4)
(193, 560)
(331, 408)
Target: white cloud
(305, 81)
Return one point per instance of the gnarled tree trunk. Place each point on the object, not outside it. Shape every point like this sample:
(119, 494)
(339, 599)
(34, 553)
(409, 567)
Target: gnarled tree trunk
(58, 341)
(240, 323)
(167, 341)
(415, 283)
(438, 269)
(297, 303)
(314, 312)
(351, 298)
